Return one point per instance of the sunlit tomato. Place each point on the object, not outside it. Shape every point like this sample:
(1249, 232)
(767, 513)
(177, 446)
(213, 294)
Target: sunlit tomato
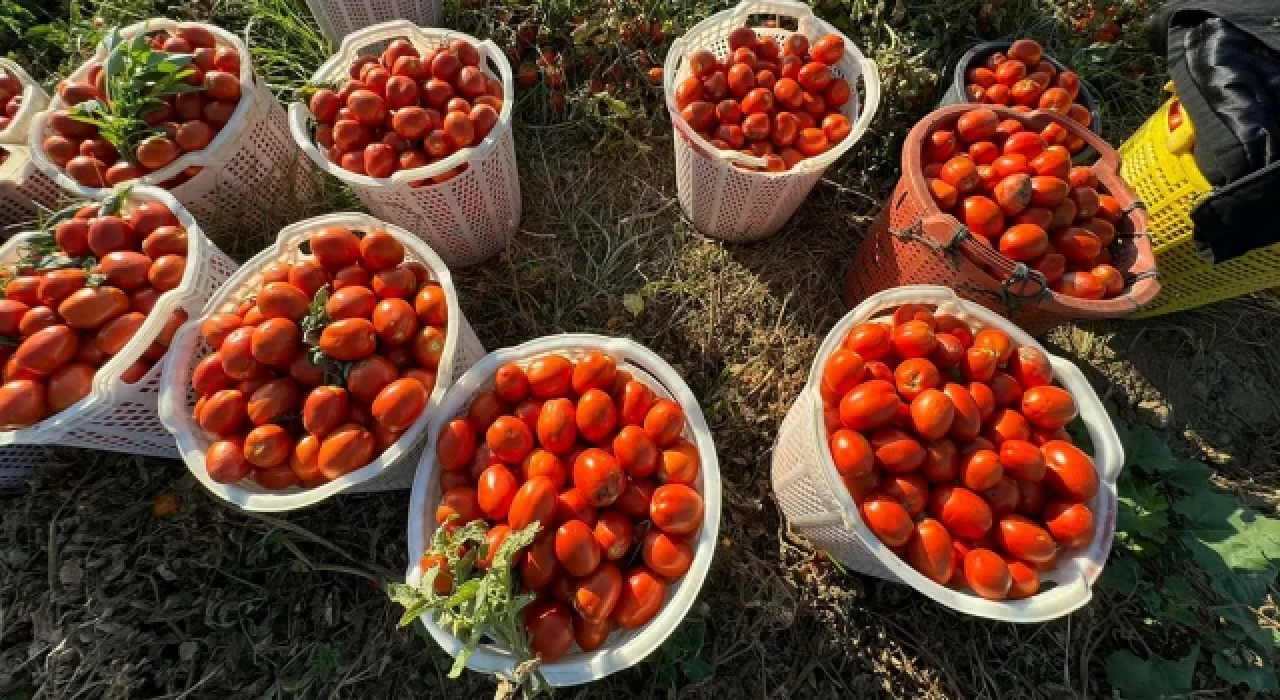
(896, 451)
(979, 364)
(981, 470)
(456, 445)
(510, 383)
(69, 384)
(929, 551)
(596, 595)
(887, 519)
(634, 403)
(636, 498)
(669, 556)
(987, 574)
(869, 405)
(948, 352)
(47, 349)
(1022, 460)
(272, 400)
(676, 509)
(22, 403)
(851, 453)
(282, 300)
(550, 628)
(428, 347)
(961, 173)
(534, 501)
(225, 461)
(911, 490)
(324, 409)
(963, 512)
(664, 422)
(614, 533)
(599, 477)
(432, 305)
(268, 446)
(224, 412)
(1048, 407)
(459, 506)
(932, 413)
(1071, 524)
(400, 403)
(550, 376)
(485, 408)
(368, 377)
(679, 464)
(1070, 472)
(635, 452)
(596, 416)
(557, 426)
(914, 376)
(576, 548)
(538, 562)
(941, 462)
(496, 489)
(1025, 539)
(842, 371)
(1029, 367)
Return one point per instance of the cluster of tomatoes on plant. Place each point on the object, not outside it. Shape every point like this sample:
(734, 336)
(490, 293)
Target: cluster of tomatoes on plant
(187, 121)
(403, 110)
(602, 464)
(325, 367)
(952, 443)
(776, 101)
(10, 98)
(74, 301)
(1021, 195)
(1022, 78)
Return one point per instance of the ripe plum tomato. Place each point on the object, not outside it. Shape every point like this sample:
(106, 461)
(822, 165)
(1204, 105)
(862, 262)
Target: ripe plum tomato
(679, 464)
(510, 382)
(456, 445)
(929, 551)
(669, 556)
(268, 446)
(634, 402)
(368, 377)
(1071, 524)
(1007, 424)
(349, 339)
(941, 461)
(887, 519)
(495, 491)
(1069, 472)
(614, 533)
(1030, 367)
(557, 426)
(842, 371)
(598, 476)
(225, 461)
(576, 548)
(550, 628)
(550, 376)
(932, 413)
(324, 409)
(485, 408)
(400, 403)
(596, 416)
(459, 506)
(635, 452)
(851, 453)
(596, 594)
(963, 512)
(967, 420)
(534, 501)
(1024, 539)
(1048, 407)
(346, 449)
(538, 563)
(870, 340)
(642, 596)
(914, 376)
(676, 509)
(1022, 460)
(981, 470)
(594, 370)
(913, 339)
(987, 574)
(869, 405)
(664, 422)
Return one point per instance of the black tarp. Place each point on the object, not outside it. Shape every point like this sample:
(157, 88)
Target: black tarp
(1224, 57)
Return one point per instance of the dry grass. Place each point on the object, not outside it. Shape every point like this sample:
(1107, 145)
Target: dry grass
(101, 600)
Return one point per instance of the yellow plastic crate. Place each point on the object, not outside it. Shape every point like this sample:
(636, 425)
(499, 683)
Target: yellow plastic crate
(1160, 167)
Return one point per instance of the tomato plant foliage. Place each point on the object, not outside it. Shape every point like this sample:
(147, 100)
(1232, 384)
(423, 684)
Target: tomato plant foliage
(1200, 563)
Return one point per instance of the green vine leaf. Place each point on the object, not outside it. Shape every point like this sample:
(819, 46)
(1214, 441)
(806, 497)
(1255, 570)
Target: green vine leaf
(1153, 677)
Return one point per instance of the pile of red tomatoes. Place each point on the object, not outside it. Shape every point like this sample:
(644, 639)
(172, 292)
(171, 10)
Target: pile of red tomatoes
(952, 444)
(403, 109)
(10, 98)
(779, 102)
(1023, 79)
(189, 120)
(325, 367)
(78, 299)
(602, 464)
(1021, 195)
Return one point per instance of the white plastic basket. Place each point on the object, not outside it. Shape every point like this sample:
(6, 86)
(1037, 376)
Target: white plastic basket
(818, 505)
(249, 169)
(338, 18)
(394, 468)
(23, 190)
(625, 648)
(118, 416)
(467, 219)
(34, 99)
(736, 205)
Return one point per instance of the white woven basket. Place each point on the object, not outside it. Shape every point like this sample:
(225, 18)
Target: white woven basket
(736, 205)
(818, 505)
(625, 648)
(23, 188)
(394, 468)
(467, 219)
(338, 18)
(118, 416)
(250, 169)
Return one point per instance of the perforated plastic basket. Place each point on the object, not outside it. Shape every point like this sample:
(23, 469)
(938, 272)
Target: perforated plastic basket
(466, 219)
(737, 205)
(393, 469)
(249, 171)
(817, 504)
(1160, 166)
(117, 416)
(625, 648)
(912, 241)
(22, 185)
(338, 18)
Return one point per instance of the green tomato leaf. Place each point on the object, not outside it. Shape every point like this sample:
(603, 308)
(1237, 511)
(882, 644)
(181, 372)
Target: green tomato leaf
(1143, 510)
(1154, 677)
(697, 670)
(1221, 533)
(1144, 448)
(1245, 588)
(1243, 665)
(1187, 475)
(1121, 574)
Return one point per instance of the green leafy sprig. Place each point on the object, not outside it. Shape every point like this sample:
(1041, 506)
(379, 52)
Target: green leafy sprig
(482, 603)
(137, 79)
(313, 325)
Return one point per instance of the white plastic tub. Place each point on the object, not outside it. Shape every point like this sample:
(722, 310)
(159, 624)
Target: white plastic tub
(737, 205)
(393, 469)
(23, 188)
(250, 169)
(470, 217)
(624, 648)
(118, 416)
(818, 505)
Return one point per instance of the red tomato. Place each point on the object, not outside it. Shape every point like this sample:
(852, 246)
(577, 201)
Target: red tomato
(1071, 524)
(963, 512)
(599, 477)
(1048, 407)
(987, 574)
(576, 548)
(676, 509)
(1070, 472)
(642, 597)
(635, 452)
(614, 533)
(869, 405)
(1025, 539)
(929, 551)
(550, 628)
(669, 556)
